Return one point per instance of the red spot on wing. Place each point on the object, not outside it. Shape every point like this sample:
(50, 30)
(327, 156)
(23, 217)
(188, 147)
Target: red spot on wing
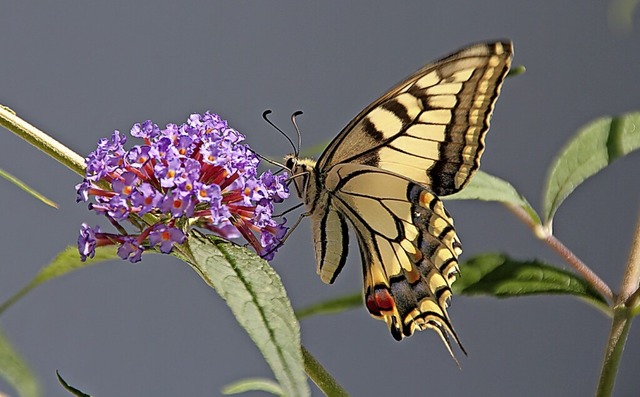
(378, 301)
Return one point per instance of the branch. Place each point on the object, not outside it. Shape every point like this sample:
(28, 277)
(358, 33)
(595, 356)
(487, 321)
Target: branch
(42, 141)
(321, 377)
(632, 274)
(575, 262)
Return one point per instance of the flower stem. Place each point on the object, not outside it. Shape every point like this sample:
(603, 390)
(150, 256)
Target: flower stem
(321, 377)
(42, 141)
(564, 252)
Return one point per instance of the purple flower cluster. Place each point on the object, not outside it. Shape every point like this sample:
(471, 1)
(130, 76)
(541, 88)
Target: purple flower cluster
(197, 174)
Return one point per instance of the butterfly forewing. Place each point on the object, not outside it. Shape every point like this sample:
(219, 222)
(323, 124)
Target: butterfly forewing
(382, 175)
(430, 127)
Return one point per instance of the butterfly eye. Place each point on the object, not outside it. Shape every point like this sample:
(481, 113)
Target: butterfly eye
(291, 162)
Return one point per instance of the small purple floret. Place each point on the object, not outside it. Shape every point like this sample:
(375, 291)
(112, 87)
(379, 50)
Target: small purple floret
(87, 241)
(166, 237)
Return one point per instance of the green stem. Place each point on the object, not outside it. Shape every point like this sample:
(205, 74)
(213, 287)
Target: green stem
(27, 189)
(331, 306)
(16, 297)
(626, 308)
(613, 354)
(321, 377)
(42, 141)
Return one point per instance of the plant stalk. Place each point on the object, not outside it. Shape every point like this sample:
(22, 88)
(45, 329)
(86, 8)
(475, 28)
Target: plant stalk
(613, 354)
(565, 253)
(321, 377)
(626, 308)
(42, 141)
(632, 274)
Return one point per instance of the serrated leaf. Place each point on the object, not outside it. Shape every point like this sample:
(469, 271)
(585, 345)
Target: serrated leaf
(254, 293)
(71, 389)
(67, 261)
(4, 174)
(15, 371)
(331, 306)
(503, 277)
(594, 147)
(487, 187)
(253, 384)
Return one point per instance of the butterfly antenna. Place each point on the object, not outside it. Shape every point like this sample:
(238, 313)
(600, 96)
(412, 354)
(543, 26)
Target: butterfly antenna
(265, 115)
(295, 125)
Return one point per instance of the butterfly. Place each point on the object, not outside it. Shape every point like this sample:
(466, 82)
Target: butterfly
(382, 175)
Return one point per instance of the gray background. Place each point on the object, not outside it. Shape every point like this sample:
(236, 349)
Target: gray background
(79, 70)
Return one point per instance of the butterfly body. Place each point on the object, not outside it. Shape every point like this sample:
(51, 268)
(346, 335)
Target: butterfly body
(382, 176)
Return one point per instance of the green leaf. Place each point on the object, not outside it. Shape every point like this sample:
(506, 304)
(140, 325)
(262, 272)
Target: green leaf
(253, 384)
(255, 295)
(331, 306)
(15, 371)
(27, 188)
(67, 261)
(503, 277)
(487, 187)
(593, 148)
(69, 388)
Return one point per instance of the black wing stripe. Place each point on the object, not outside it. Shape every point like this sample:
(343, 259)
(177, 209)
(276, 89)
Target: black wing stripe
(331, 236)
(371, 130)
(399, 110)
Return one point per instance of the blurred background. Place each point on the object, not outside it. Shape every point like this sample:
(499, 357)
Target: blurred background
(79, 70)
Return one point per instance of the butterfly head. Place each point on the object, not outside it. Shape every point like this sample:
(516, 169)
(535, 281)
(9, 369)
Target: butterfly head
(302, 171)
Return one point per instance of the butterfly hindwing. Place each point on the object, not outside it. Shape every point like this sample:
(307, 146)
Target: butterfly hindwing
(430, 127)
(408, 246)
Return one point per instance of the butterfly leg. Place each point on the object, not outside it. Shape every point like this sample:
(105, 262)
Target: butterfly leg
(291, 229)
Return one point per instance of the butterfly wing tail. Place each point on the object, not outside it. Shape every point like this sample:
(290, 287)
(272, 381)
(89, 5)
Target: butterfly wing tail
(417, 297)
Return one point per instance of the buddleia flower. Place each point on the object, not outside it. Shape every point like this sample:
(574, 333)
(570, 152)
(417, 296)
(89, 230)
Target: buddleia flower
(197, 174)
